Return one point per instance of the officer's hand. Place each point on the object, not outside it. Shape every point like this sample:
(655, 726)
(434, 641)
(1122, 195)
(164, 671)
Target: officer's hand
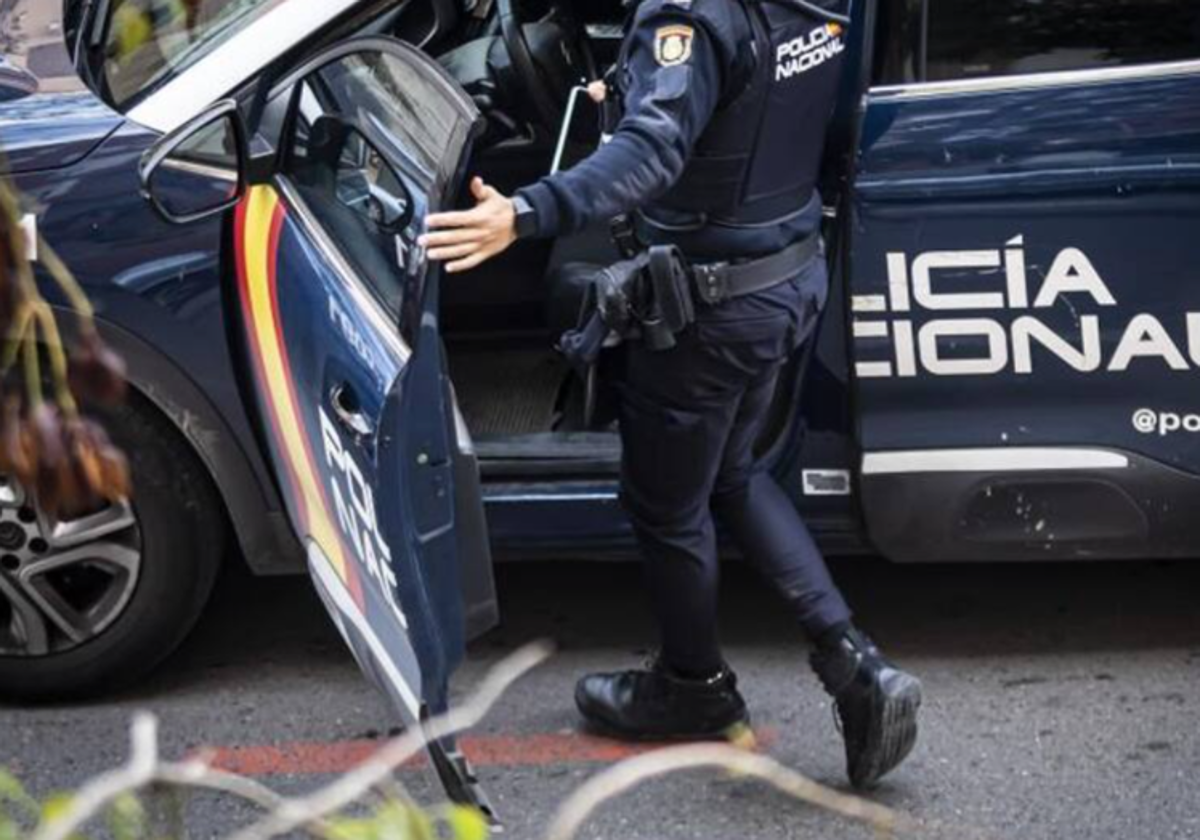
(598, 91)
(470, 237)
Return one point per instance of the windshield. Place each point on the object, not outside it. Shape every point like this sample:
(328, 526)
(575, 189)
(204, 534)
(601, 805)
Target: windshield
(147, 43)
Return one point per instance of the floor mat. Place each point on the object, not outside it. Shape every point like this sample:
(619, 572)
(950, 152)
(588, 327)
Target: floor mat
(506, 392)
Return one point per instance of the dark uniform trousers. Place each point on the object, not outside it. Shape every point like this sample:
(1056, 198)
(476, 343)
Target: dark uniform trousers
(690, 418)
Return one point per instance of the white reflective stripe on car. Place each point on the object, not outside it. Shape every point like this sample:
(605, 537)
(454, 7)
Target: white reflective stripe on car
(235, 61)
(994, 459)
(322, 569)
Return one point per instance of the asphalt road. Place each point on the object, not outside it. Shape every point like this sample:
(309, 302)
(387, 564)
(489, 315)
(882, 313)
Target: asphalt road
(1062, 702)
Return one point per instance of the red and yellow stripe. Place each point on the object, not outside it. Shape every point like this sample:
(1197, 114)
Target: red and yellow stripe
(260, 222)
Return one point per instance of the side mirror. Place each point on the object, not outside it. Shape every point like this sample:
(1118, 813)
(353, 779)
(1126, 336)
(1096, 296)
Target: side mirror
(199, 170)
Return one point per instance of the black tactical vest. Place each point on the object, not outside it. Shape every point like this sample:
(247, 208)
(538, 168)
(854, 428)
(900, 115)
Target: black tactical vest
(757, 161)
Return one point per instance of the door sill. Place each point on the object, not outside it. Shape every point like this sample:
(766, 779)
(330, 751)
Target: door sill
(549, 455)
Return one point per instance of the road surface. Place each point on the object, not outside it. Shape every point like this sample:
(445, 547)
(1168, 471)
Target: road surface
(1062, 702)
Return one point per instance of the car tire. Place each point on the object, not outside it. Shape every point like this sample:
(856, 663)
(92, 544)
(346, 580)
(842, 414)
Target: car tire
(179, 530)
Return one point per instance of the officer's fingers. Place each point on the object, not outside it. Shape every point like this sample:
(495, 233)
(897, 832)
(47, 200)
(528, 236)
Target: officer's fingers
(479, 189)
(491, 196)
(457, 218)
(475, 259)
(454, 236)
(453, 252)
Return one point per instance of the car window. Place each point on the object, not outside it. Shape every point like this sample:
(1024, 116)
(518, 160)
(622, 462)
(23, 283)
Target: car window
(977, 38)
(147, 43)
(394, 98)
(368, 148)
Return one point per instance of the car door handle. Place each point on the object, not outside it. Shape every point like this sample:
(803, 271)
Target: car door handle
(348, 411)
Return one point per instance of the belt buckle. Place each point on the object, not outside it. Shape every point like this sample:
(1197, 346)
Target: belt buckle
(711, 281)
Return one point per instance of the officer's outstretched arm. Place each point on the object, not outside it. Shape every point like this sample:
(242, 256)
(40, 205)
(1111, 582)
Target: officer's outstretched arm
(672, 74)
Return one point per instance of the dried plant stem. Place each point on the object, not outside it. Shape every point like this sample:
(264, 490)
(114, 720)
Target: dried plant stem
(33, 370)
(584, 802)
(15, 341)
(58, 357)
(144, 770)
(34, 319)
(103, 789)
(297, 813)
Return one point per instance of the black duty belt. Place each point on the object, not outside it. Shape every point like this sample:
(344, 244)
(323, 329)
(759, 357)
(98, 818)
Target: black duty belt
(721, 281)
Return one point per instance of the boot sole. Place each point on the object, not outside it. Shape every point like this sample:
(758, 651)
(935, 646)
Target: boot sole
(595, 724)
(604, 729)
(895, 734)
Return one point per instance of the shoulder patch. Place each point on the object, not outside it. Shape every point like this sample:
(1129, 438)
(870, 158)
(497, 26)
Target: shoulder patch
(673, 45)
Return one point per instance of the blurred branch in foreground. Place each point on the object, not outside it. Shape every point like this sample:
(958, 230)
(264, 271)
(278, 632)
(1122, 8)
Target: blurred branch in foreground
(46, 443)
(370, 803)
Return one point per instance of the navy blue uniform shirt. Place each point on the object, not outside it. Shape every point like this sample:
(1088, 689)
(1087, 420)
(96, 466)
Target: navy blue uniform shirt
(674, 65)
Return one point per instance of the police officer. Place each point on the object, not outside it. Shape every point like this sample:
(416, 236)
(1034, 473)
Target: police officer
(724, 106)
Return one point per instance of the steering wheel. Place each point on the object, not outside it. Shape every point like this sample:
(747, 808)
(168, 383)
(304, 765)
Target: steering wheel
(548, 91)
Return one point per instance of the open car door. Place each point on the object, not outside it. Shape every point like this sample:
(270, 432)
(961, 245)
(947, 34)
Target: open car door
(339, 314)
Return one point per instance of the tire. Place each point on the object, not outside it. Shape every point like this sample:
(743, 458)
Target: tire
(178, 528)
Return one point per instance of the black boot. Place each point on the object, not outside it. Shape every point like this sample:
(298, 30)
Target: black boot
(658, 704)
(876, 705)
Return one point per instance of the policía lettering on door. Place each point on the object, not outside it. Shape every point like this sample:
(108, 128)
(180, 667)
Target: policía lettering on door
(896, 337)
(354, 501)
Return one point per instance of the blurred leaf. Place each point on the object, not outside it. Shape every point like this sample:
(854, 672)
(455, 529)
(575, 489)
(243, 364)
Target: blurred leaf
(127, 818)
(56, 807)
(166, 813)
(401, 821)
(9, 830)
(467, 823)
(346, 828)
(13, 792)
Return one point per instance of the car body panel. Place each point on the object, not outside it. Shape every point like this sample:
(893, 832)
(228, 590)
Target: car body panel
(157, 290)
(1023, 259)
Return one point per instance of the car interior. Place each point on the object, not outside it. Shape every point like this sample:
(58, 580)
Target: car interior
(519, 60)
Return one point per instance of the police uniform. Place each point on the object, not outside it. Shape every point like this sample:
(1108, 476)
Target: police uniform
(724, 110)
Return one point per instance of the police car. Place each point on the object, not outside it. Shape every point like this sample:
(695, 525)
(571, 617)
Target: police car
(1006, 370)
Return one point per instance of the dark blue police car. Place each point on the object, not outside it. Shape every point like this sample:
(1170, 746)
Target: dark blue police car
(1007, 371)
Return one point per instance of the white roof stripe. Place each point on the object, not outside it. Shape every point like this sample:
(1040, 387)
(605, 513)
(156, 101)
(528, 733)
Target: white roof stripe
(235, 61)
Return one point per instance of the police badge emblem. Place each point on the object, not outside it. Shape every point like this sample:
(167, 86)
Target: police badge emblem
(673, 45)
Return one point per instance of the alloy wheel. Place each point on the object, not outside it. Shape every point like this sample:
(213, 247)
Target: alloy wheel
(63, 582)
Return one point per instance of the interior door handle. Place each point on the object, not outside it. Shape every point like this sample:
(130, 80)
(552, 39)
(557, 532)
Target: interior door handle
(348, 411)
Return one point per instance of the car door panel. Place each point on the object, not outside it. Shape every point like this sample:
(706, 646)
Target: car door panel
(320, 462)
(340, 315)
(1023, 252)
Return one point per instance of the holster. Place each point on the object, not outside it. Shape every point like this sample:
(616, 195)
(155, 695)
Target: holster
(647, 297)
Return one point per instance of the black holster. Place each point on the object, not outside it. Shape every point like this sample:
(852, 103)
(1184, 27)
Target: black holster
(646, 297)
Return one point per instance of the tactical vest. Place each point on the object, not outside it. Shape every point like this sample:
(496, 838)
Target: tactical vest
(757, 161)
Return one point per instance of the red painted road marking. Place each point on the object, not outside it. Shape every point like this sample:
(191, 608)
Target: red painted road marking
(307, 758)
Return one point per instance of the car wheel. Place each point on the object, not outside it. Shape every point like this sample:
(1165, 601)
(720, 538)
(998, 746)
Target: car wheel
(92, 604)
